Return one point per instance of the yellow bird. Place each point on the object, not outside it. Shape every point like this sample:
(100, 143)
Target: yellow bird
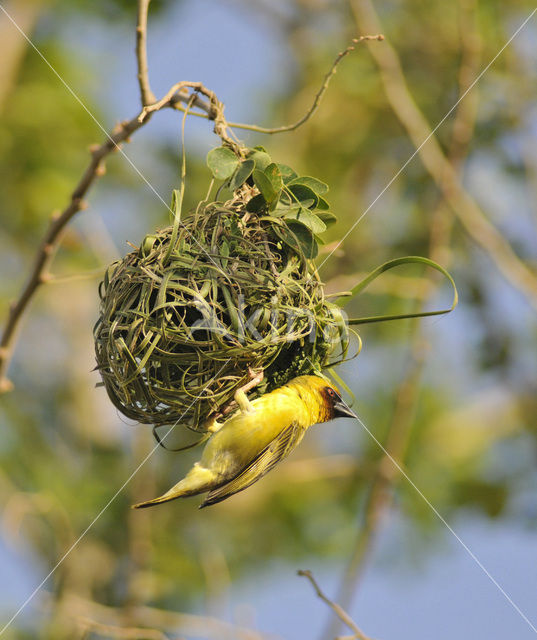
(254, 439)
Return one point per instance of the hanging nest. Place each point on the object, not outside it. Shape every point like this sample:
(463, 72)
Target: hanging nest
(230, 289)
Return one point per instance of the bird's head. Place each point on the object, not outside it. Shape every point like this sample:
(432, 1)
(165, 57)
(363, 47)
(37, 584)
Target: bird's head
(322, 398)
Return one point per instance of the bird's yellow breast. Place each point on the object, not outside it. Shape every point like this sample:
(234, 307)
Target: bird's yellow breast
(246, 434)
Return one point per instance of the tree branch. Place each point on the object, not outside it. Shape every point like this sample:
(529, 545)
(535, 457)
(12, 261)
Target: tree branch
(340, 613)
(316, 99)
(478, 227)
(146, 95)
(214, 110)
(51, 240)
(318, 95)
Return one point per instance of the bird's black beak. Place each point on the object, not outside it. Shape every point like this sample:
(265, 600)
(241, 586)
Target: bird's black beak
(341, 410)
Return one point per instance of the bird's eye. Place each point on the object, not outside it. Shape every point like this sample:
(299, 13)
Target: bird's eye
(331, 392)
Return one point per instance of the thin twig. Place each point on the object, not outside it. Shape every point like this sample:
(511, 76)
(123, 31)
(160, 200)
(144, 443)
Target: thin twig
(318, 96)
(146, 95)
(215, 111)
(39, 273)
(339, 611)
(176, 92)
(316, 100)
(51, 240)
(477, 225)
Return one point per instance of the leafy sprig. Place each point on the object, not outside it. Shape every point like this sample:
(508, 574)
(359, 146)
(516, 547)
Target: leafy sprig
(296, 208)
(294, 205)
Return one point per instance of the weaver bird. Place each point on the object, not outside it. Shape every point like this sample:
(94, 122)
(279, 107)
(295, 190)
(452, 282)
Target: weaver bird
(254, 439)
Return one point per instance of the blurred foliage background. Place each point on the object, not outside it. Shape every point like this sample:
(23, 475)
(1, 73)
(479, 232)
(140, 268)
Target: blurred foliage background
(452, 400)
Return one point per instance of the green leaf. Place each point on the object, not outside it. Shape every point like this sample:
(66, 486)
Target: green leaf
(264, 184)
(224, 252)
(319, 187)
(256, 204)
(305, 238)
(323, 204)
(274, 174)
(222, 162)
(176, 204)
(147, 246)
(175, 208)
(386, 267)
(301, 193)
(281, 209)
(260, 157)
(307, 218)
(288, 174)
(244, 171)
(327, 217)
(298, 237)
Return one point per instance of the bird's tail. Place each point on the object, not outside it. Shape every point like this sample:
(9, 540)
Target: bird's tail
(198, 480)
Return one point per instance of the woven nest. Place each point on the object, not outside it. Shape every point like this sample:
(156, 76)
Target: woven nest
(184, 318)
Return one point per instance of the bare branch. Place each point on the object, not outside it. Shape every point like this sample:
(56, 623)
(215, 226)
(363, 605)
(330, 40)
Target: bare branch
(121, 133)
(51, 240)
(340, 613)
(479, 228)
(175, 93)
(318, 96)
(146, 95)
(179, 92)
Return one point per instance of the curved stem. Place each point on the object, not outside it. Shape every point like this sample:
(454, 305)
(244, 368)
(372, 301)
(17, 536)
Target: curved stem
(318, 95)
(316, 99)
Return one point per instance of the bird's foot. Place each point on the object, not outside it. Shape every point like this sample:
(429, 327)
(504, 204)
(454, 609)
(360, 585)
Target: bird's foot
(240, 395)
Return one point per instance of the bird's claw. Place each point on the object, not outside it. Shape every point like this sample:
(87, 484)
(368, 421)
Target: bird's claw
(240, 395)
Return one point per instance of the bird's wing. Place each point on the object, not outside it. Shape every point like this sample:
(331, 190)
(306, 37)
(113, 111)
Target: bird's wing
(278, 449)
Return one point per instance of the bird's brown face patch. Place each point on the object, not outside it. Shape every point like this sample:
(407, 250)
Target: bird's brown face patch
(330, 397)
